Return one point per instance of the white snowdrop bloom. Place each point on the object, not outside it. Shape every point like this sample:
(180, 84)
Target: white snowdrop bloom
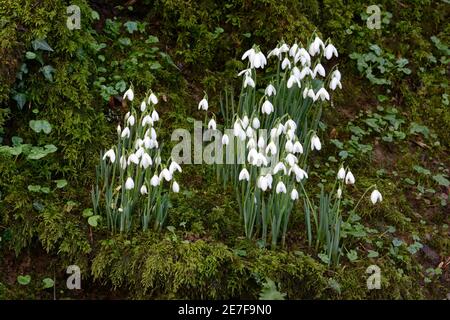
(269, 180)
(260, 160)
(244, 122)
(376, 196)
(147, 120)
(203, 104)
(212, 124)
(138, 143)
(255, 123)
(147, 142)
(280, 188)
(259, 60)
(237, 128)
(174, 166)
(291, 159)
(315, 46)
(341, 173)
(322, 94)
(267, 107)
(278, 167)
(153, 98)
(315, 143)
(305, 71)
(125, 133)
(293, 80)
(336, 74)
(128, 95)
(305, 92)
(330, 50)
(289, 146)
(318, 69)
(311, 94)
(127, 115)
(225, 139)
(165, 174)
(280, 129)
(244, 175)
(291, 124)
(249, 82)
(335, 83)
(298, 148)
(249, 132)
(339, 193)
(290, 134)
(175, 187)
(294, 194)
(270, 90)
(245, 72)
(300, 174)
(274, 53)
(119, 130)
(286, 64)
(129, 184)
(131, 120)
(153, 133)
(303, 56)
(154, 181)
(296, 72)
(143, 189)
(133, 159)
(155, 115)
(261, 142)
(262, 183)
(140, 152)
(284, 48)
(252, 155)
(349, 178)
(146, 161)
(111, 155)
(273, 133)
(248, 54)
(271, 149)
(293, 50)
(123, 162)
(157, 160)
(143, 106)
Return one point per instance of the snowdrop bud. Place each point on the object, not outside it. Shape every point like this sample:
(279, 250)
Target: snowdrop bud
(255, 123)
(298, 148)
(349, 178)
(341, 173)
(111, 155)
(225, 139)
(286, 64)
(329, 51)
(270, 90)
(212, 124)
(153, 133)
(143, 106)
(153, 98)
(129, 95)
(131, 120)
(123, 162)
(154, 181)
(143, 189)
(119, 130)
(129, 184)
(175, 187)
(339, 193)
(289, 146)
(125, 133)
(376, 196)
(267, 107)
(281, 188)
(294, 194)
(155, 116)
(203, 104)
(261, 142)
(174, 166)
(158, 160)
(315, 143)
(244, 175)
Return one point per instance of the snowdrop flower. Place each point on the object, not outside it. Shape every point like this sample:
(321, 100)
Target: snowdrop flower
(293, 79)
(298, 148)
(271, 148)
(293, 50)
(252, 154)
(291, 159)
(286, 64)
(165, 174)
(349, 178)
(278, 167)
(315, 143)
(143, 189)
(303, 56)
(153, 133)
(311, 94)
(175, 187)
(129, 184)
(155, 115)
(125, 133)
(248, 54)
(128, 95)
(174, 166)
(294, 194)
(146, 161)
(258, 61)
(267, 107)
(281, 188)
(203, 104)
(147, 120)
(249, 82)
(140, 152)
(212, 124)
(376, 196)
(133, 159)
(335, 83)
(339, 193)
(275, 52)
(289, 146)
(255, 123)
(260, 160)
(154, 181)
(262, 183)
(322, 94)
(269, 180)
(305, 71)
(245, 122)
(336, 74)
(318, 69)
(225, 139)
(119, 130)
(244, 175)
(300, 174)
(261, 142)
(314, 48)
(153, 99)
(290, 134)
(341, 173)
(143, 106)
(329, 51)
(123, 162)
(111, 155)
(245, 72)
(249, 132)
(284, 48)
(238, 131)
(296, 72)
(131, 120)
(270, 90)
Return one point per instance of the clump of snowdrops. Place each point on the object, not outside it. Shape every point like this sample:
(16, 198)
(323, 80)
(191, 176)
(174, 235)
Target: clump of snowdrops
(133, 184)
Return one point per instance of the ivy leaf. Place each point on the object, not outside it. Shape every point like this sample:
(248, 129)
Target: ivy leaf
(324, 258)
(48, 72)
(125, 41)
(30, 55)
(152, 39)
(48, 283)
(439, 178)
(34, 188)
(21, 99)
(61, 183)
(24, 280)
(352, 255)
(41, 44)
(131, 26)
(372, 254)
(87, 212)
(40, 125)
(270, 291)
(93, 220)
